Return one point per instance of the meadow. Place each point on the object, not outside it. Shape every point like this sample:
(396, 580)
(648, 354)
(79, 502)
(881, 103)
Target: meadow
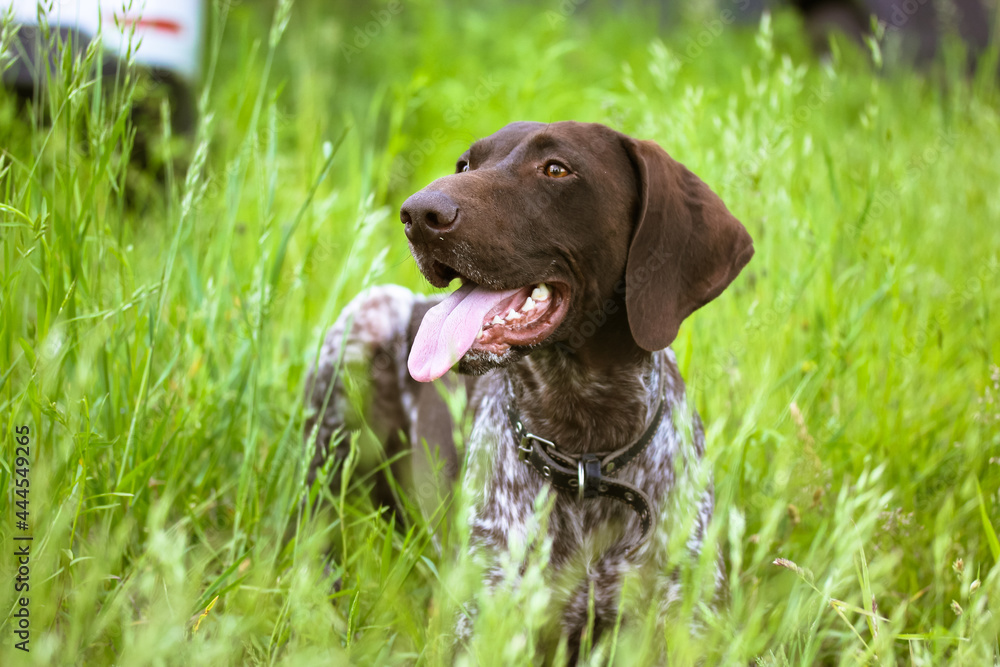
(158, 323)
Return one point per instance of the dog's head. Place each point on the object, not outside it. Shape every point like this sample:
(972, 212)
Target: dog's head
(547, 225)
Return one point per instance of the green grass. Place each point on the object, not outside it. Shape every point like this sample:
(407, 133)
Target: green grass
(155, 339)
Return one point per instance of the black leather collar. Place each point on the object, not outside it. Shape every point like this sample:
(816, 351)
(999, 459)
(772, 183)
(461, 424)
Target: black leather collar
(587, 474)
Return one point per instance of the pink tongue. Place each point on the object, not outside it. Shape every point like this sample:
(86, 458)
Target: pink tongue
(449, 329)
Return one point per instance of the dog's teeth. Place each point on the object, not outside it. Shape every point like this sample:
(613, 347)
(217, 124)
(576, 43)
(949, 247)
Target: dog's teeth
(479, 336)
(541, 292)
(496, 320)
(513, 315)
(529, 305)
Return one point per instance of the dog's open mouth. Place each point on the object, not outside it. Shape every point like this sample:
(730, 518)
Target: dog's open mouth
(476, 318)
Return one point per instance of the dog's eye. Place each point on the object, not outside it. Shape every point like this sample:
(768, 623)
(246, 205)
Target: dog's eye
(554, 169)
(461, 167)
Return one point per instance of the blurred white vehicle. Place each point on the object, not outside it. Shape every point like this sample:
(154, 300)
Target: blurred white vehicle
(162, 37)
(165, 35)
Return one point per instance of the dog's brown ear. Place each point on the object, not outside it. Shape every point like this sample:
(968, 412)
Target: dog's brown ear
(686, 247)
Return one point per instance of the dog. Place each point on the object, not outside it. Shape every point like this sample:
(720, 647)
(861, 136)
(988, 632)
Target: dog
(579, 252)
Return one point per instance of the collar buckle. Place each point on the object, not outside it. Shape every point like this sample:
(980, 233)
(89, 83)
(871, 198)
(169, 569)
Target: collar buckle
(525, 446)
(585, 473)
(524, 449)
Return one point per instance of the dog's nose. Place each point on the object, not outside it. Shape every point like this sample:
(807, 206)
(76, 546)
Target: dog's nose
(428, 212)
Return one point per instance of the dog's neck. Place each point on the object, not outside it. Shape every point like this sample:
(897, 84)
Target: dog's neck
(566, 396)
